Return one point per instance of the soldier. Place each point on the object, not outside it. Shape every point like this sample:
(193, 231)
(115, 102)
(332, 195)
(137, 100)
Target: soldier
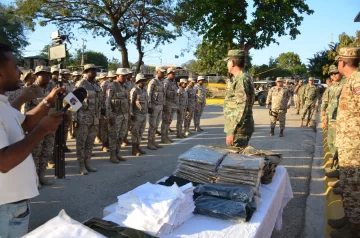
(103, 123)
(183, 101)
(325, 99)
(171, 105)
(55, 72)
(98, 139)
(43, 152)
(279, 97)
(28, 79)
(76, 76)
(138, 112)
(129, 84)
(200, 102)
(156, 97)
(117, 112)
(348, 143)
(69, 87)
(311, 99)
(300, 88)
(239, 99)
(87, 119)
(190, 106)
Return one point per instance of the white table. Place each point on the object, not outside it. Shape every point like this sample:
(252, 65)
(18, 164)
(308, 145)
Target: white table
(268, 215)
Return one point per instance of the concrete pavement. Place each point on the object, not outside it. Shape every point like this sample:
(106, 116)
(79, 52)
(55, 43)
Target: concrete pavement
(83, 197)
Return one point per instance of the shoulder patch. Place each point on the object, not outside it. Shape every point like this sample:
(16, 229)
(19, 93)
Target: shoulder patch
(357, 91)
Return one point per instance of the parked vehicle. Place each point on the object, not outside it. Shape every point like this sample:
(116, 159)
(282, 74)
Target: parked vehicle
(261, 91)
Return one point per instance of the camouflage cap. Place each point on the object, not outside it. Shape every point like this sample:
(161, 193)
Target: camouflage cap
(89, 66)
(170, 70)
(121, 71)
(201, 78)
(65, 71)
(348, 53)
(160, 68)
(111, 74)
(311, 79)
(140, 77)
(26, 74)
(333, 69)
(55, 68)
(279, 79)
(75, 73)
(235, 54)
(183, 81)
(192, 80)
(42, 68)
(102, 75)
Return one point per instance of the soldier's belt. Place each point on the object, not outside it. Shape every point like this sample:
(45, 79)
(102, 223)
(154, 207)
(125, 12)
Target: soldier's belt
(276, 114)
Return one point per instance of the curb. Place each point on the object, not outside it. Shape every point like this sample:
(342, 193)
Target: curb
(315, 216)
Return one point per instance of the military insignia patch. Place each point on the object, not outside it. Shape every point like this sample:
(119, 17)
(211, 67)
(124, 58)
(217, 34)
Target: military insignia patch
(357, 91)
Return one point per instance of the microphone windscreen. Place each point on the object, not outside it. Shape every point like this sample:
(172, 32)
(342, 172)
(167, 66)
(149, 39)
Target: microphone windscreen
(80, 93)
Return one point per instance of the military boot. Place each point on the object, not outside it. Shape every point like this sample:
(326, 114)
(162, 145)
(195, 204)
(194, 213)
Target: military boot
(187, 131)
(332, 174)
(158, 133)
(51, 164)
(156, 144)
(82, 169)
(105, 148)
(197, 128)
(88, 166)
(43, 180)
(125, 142)
(167, 134)
(272, 131)
(97, 140)
(113, 158)
(151, 146)
(301, 123)
(135, 150)
(281, 133)
(350, 230)
(338, 223)
(200, 128)
(118, 155)
(170, 130)
(334, 184)
(337, 191)
(307, 123)
(66, 149)
(143, 152)
(164, 138)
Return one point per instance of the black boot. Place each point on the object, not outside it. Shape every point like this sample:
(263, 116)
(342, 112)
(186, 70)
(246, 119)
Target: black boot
(350, 230)
(338, 223)
(272, 132)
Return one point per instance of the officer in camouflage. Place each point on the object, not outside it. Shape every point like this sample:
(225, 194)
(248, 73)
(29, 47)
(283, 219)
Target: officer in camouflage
(87, 119)
(69, 87)
(156, 97)
(311, 98)
(138, 112)
(239, 100)
(348, 143)
(200, 102)
(183, 101)
(299, 90)
(279, 97)
(325, 96)
(117, 111)
(190, 106)
(103, 122)
(171, 105)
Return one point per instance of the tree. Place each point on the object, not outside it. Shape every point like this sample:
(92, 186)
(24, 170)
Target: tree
(152, 20)
(113, 64)
(317, 62)
(93, 57)
(12, 32)
(291, 62)
(227, 22)
(101, 17)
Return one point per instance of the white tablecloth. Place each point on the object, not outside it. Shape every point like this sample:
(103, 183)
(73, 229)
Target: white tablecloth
(268, 215)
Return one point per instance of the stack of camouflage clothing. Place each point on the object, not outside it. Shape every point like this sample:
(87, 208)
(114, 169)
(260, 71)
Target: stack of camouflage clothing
(240, 169)
(200, 163)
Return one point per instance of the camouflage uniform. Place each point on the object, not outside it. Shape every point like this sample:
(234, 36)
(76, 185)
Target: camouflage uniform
(156, 97)
(87, 119)
(104, 131)
(200, 103)
(348, 143)
(69, 87)
(138, 110)
(190, 106)
(300, 94)
(130, 84)
(117, 108)
(183, 101)
(239, 100)
(12, 95)
(280, 99)
(311, 97)
(170, 107)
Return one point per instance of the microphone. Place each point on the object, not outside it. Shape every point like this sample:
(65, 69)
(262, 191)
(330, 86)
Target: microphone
(74, 99)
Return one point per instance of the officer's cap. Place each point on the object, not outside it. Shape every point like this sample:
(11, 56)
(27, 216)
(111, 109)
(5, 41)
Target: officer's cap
(76, 73)
(65, 71)
(42, 68)
(201, 78)
(111, 74)
(333, 69)
(89, 66)
(102, 75)
(235, 54)
(121, 71)
(139, 77)
(183, 81)
(348, 53)
(25, 74)
(160, 68)
(170, 70)
(279, 79)
(192, 80)
(311, 79)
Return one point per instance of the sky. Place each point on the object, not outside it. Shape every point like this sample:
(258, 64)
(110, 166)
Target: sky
(330, 18)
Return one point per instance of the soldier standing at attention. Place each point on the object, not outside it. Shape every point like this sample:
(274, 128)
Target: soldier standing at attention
(311, 99)
(348, 142)
(183, 101)
(300, 91)
(138, 112)
(279, 97)
(129, 84)
(103, 119)
(190, 106)
(239, 98)
(200, 92)
(171, 105)
(87, 119)
(117, 111)
(325, 100)
(156, 97)
(69, 87)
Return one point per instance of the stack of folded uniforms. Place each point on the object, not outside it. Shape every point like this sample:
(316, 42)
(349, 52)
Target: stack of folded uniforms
(225, 201)
(156, 209)
(240, 169)
(200, 163)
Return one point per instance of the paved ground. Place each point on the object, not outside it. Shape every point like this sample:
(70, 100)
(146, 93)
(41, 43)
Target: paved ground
(85, 196)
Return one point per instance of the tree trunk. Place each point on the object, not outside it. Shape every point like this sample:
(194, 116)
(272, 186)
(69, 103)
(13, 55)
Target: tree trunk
(124, 56)
(140, 59)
